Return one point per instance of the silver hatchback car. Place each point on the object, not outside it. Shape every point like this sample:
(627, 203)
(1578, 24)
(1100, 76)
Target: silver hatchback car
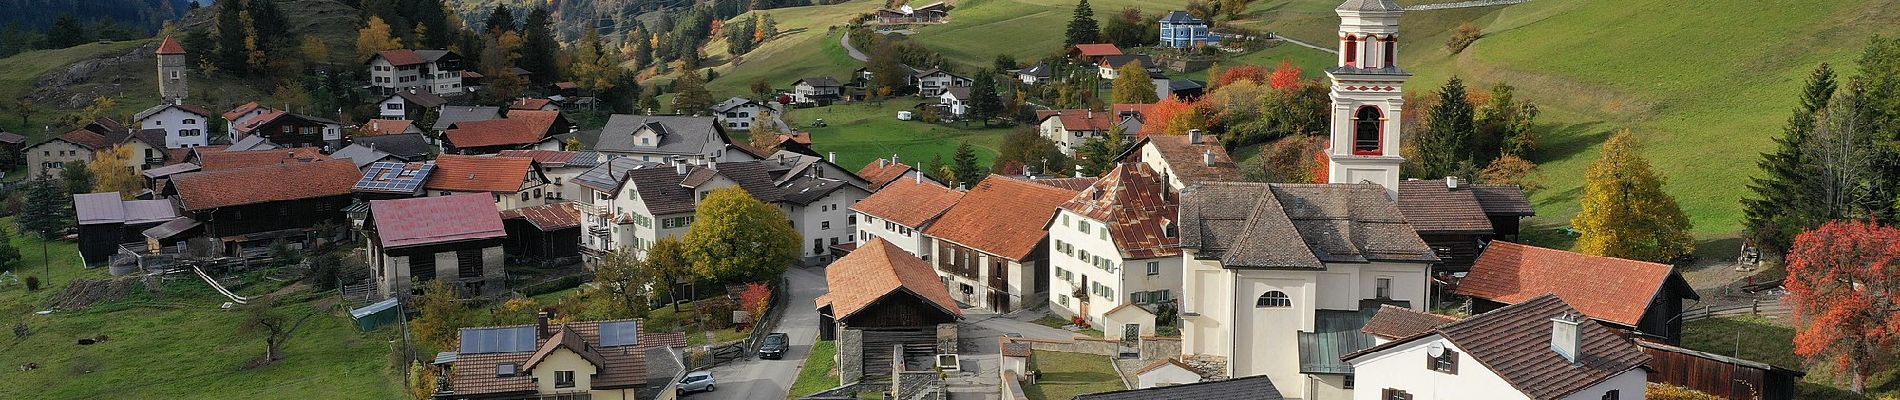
(701, 381)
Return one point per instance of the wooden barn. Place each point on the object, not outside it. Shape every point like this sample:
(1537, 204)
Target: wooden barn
(1719, 375)
(255, 205)
(105, 222)
(546, 232)
(882, 297)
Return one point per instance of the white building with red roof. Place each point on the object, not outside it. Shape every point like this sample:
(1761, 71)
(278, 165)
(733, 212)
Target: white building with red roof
(437, 72)
(1115, 244)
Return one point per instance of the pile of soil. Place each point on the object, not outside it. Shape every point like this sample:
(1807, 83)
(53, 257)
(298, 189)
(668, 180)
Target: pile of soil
(87, 292)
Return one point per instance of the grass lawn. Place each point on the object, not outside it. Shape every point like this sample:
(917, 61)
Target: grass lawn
(684, 317)
(178, 343)
(1771, 341)
(1066, 375)
(1025, 29)
(865, 131)
(820, 371)
(1059, 323)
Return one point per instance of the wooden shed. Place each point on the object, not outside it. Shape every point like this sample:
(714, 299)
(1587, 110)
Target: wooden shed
(1719, 375)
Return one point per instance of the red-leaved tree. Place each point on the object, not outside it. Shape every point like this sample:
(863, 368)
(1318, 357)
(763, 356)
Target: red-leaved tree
(1286, 76)
(755, 298)
(1171, 116)
(1253, 73)
(1844, 285)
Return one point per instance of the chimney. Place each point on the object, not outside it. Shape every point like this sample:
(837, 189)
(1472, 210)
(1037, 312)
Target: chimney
(1565, 337)
(1207, 157)
(881, 163)
(541, 324)
(679, 166)
(1194, 136)
(1451, 182)
(894, 159)
(831, 157)
(919, 174)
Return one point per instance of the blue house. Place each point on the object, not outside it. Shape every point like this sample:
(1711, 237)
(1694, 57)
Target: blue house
(1179, 30)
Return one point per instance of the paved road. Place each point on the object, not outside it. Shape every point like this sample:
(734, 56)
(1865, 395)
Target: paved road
(845, 40)
(1276, 36)
(772, 379)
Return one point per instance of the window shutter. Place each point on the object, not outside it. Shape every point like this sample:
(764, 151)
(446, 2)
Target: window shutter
(1431, 363)
(1452, 361)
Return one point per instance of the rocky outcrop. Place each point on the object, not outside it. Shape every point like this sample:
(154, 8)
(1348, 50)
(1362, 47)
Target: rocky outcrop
(58, 87)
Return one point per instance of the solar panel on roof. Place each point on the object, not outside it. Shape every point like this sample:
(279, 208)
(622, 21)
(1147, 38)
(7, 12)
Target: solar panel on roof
(498, 340)
(619, 333)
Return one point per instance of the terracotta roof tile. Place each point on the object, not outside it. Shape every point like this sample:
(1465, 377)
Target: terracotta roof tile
(1392, 322)
(1187, 160)
(387, 126)
(240, 111)
(909, 203)
(522, 127)
(548, 218)
(87, 138)
(1433, 207)
(229, 160)
(877, 270)
(1134, 203)
(263, 184)
(529, 104)
(882, 172)
(1098, 49)
(401, 57)
(1076, 184)
(459, 173)
(432, 220)
(1605, 288)
(170, 47)
(1001, 216)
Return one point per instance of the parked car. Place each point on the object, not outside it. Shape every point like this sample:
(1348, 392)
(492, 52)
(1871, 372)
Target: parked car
(701, 381)
(775, 345)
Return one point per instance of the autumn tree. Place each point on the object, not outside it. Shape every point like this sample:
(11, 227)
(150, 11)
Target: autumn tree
(1510, 170)
(1625, 212)
(112, 171)
(622, 282)
(375, 37)
(421, 385)
(594, 68)
(887, 74)
(1023, 145)
(669, 265)
(101, 107)
(1097, 155)
(314, 51)
(500, 84)
(443, 316)
(755, 298)
(23, 108)
(692, 98)
(1172, 116)
(1250, 73)
(764, 133)
(1290, 160)
(736, 237)
(1846, 296)
(1133, 86)
(1082, 27)
(1286, 76)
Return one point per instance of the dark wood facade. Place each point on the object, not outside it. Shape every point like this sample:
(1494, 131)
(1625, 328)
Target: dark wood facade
(236, 222)
(526, 241)
(292, 130)
(899, 309)
(1722, 376)
(98, 242)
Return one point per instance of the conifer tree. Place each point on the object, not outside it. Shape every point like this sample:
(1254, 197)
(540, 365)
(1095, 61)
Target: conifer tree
(1625, 212)
(539, 45)
(1445, 147)
(500, 20)
(692, 96)
(1082, 27)
(1781, 207)
(48, 207)
(963, 166)
(985, 104)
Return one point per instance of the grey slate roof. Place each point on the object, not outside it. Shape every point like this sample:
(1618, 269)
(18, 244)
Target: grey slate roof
(803, 191)
(1248, 388)
(678, 134)
(1370, 5)
(1502, 200)
(1181, 17)
(609, 175)
(360, 154)
(252, 142)
(1298, 226)
(819, 81)
(453, 114)
(408, 146)
(1039, 71)
(1514, 343)
(737, 101)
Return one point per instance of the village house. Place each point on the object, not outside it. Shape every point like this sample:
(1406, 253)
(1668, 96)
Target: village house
(1113, 245)
(650, 201)
(293, 130)
(819, 90)
(230, 160)
(1184, 160)
(600, 360)
(933, 82)
(406, 147)
(437, 72)
(456, 239)
(243, 115)
(954, 103)
(105, 222)
(991, 246)
(560, 167)
(534, 104)
(1643, 298)
(252, 207)
(381, 127)
(544, 232)
(184, 125)
(1248, 388)
(1034, 74)
(816, 195)
(899, 213)
(409, 104)
(521, 129)
(885, 171)
(937, 12)
(1181, 30)
(740, 114)
(449, 115)
(660, 138)
(1540, 349)
(1458, 218)
(1093, 53)
(883, 297)
(1069, 129)
(54, 154)
(511, 182)
(1264, 263)
(1110, 67)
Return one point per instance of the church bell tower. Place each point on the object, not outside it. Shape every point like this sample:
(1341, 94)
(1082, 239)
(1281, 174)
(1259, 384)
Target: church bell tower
(1367, 96)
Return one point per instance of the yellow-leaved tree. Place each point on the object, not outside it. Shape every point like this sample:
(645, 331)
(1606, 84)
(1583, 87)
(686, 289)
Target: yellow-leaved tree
(112, 172)
(1133, 86)
(735, 237)
(375, 37)
(1625, 212)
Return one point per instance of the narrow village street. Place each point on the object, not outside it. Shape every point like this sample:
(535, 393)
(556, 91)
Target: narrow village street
(754, 378)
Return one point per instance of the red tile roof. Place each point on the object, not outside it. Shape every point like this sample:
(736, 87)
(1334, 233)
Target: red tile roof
(228, 160)
(1395, 323)
(240, 111)
(458, 173)
(1001, 216)
(566, 85)
(1098, 49)
(882, 172)
(1605, 288)
(1076, 184)
(88, 139)
(1134, 203)
(170, 47)
(380, 127)
(401, 57)
(263, 184)
(795, 137)
(260, 120)
(548, 218)
(433, 220)
(547, 158)
(1081, 120)
(520, 128)
(877, 270)
(1187, 160)
(908, 202)
(529, 104)
(1140, 109)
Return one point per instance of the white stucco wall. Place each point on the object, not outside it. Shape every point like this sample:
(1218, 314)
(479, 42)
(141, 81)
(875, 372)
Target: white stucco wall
(911, 239)
(1126, 277)
(182, 129)
(828, 220)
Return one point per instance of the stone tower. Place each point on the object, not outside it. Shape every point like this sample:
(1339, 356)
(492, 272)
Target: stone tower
(1367, 96)
(172, 80)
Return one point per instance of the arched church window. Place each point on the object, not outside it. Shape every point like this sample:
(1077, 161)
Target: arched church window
(1391, 44)
(1352, 51)
(1365, 131)
(1273, 299)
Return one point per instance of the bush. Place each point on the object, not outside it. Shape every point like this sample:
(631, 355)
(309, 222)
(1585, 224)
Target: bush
(33, 284)
(1463, 37)
(1659, 391)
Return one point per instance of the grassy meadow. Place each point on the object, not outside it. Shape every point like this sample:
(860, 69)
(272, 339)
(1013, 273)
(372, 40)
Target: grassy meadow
(863, 132)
